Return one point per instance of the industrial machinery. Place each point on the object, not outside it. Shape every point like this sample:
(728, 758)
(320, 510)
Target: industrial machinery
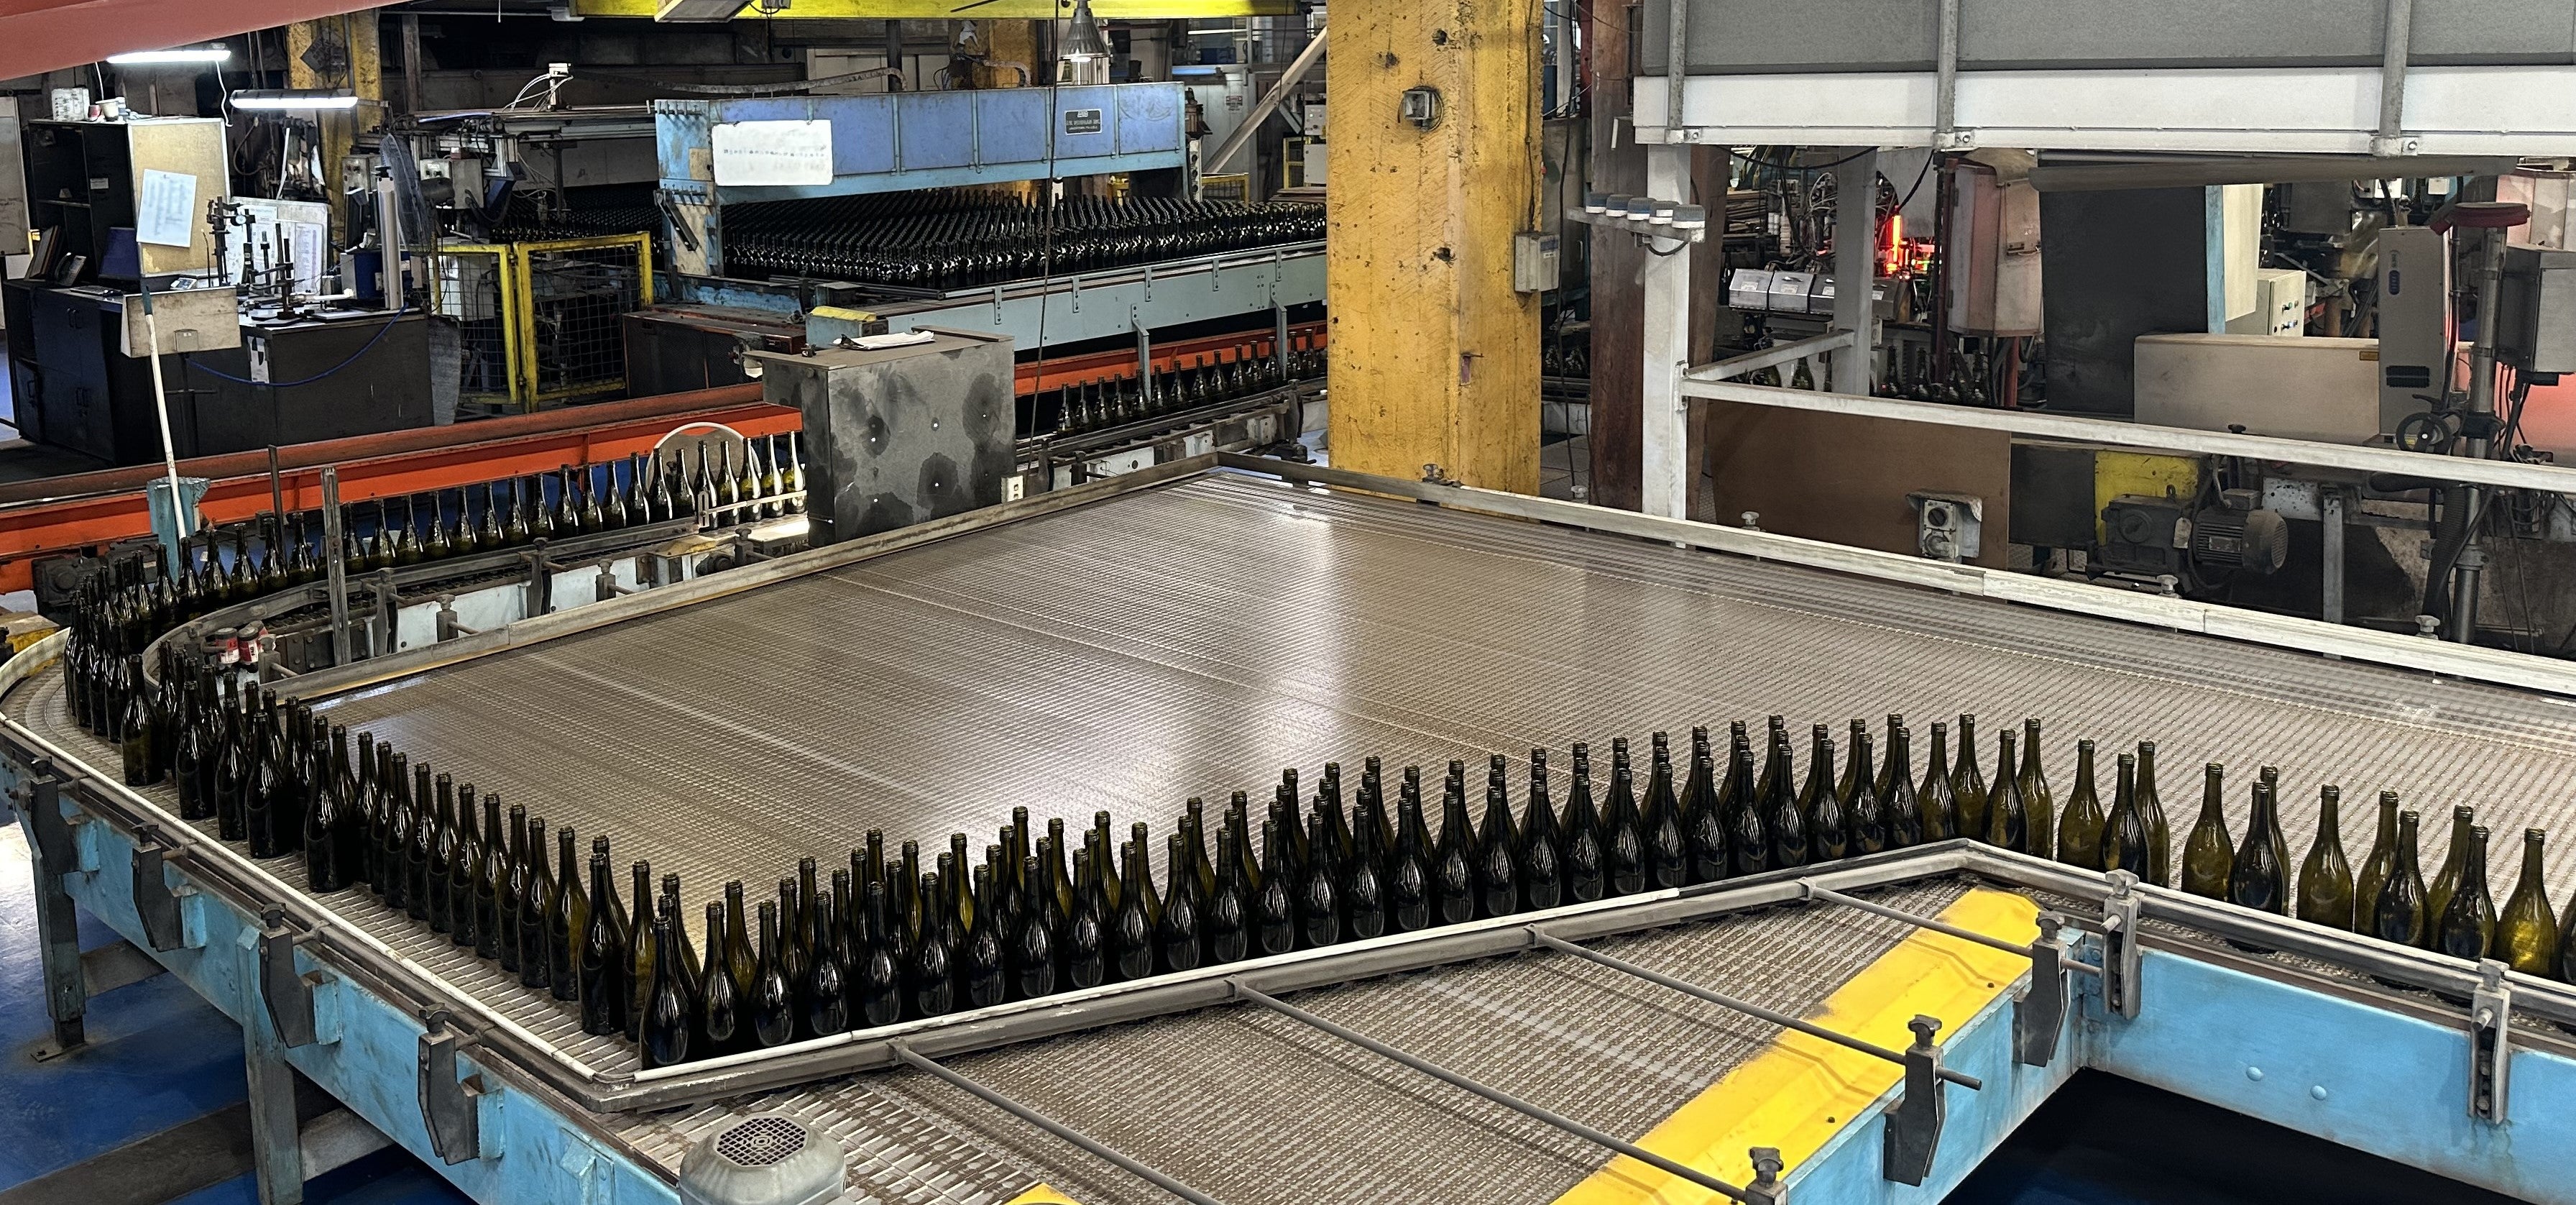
(1949, 987)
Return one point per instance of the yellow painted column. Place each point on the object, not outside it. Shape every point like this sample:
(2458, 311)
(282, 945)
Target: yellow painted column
(339, 52)
(1434, 356)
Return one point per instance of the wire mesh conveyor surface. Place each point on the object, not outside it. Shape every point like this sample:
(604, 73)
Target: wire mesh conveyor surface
(1192, 638)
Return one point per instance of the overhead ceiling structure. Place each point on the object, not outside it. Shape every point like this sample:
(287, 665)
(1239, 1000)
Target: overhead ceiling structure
(37, 36)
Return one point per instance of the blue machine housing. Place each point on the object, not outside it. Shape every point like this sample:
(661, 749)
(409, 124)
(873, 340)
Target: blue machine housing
(898, 141)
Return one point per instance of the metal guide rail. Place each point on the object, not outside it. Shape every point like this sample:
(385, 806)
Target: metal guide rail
(1860, 636)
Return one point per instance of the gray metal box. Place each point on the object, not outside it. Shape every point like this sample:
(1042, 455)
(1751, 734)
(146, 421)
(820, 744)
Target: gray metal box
(2536, 312)
(190, 320)
(900, 435)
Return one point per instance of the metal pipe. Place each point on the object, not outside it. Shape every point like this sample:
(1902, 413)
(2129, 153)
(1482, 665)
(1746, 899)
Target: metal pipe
(1267, 105)
(2394, 47)
(1676, 67)
(1050, 1125)
(1496, 1095)
(1722, 1000)
(2482, 378)
(1945, 104)
(1831, 896)
(334, 539)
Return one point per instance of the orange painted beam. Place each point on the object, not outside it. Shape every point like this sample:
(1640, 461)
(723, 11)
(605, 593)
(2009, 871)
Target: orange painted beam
(95, 509)
(1052, 374)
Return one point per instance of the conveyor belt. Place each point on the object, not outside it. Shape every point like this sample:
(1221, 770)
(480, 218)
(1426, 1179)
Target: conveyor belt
(1193, 638)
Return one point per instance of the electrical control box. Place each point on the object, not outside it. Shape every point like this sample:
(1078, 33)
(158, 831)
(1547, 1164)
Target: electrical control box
(2416, 330)
(2536, 310)
(1534, 261)
(1994, 281)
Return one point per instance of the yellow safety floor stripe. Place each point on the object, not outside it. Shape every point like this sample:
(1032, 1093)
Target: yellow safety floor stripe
(1800, 1091)
(1040, 1194)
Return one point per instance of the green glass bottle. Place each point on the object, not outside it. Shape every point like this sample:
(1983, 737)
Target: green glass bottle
(2437, 898)
(2008, 821)
(2526, 933)
(2209, 853)
(1933, 801)
(2325, 879)
(2036, 799)
(2151, 816)
(1968, 784)
(2398, 914)
(2258, 877)
(2468, 923)
(2124, 834)
(2375, 865)
(2079, 831)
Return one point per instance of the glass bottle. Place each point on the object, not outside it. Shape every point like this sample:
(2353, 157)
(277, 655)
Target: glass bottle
(1748, 840)
(1858, 795)
(1781, 814)
(2437, 900)
(718, 1023)
(1933, 801)
(2124, 832)
(491, 879)
(2008, 820)
(983, 972)
(2209, 853)
(135, 731)
(2258, 875)
(1623, 834)
(2526, 933)
(2151, 816)
(1541, 866)
(2079, 830)
(441, 859)
(879, 987)
(1130, 945)
(1179, 939)
(642, 951)
(1585, 871)
(1319, 914)
(669, 1012)
(2325, 879)
(2398, 915)
(771, 1005)
(2038, 802)
(2467, 927)
(1659, 822)
(2375, 864)
(536, 912)
(1819, 807)
(1498, 891)
(1453, 860)
(1275, 911)
(827, 985)
(192, 761)
(1086, 929)
(1968, 790)
(568, 920)
(323, 870)
(462, 858)
(513, 889)
(1227, 919)
(1033, 966)
(603, 960)
(1410, 884)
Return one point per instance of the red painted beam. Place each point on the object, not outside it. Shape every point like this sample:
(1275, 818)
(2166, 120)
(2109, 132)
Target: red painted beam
(62, 514)
(1041, 376)
(37, 36)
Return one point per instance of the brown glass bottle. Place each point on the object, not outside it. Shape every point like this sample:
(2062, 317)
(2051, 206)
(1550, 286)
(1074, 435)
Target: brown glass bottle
(2526, 932)
(2079, 830)
(2210, 852)
(2325, 879)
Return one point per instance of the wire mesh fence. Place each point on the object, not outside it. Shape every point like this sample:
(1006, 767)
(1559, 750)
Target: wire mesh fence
(538, 322)
(470, 287)
(574, 291)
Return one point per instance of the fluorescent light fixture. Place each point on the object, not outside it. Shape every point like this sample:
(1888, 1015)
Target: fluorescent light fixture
(185, 54)
(295, 98)
(1084, 42)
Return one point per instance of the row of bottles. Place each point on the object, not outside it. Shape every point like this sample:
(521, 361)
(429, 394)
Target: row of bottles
(892, 938)
(1193, 382)
(1910, 375)
(586, 499)
(937, 241)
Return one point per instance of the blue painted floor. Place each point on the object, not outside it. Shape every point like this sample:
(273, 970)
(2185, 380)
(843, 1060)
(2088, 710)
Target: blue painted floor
(158, 1056)
(2103, 1140)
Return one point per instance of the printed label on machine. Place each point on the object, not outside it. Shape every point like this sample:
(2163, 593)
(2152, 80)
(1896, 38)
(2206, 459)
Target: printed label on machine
(1082, 121)
(760, 153)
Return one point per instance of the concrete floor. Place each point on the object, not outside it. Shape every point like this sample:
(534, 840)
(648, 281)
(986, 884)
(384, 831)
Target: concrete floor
(158, 1058)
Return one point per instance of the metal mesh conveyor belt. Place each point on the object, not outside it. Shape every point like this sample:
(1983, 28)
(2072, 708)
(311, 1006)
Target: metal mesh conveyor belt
(1191, 639)
(1254, 1109)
